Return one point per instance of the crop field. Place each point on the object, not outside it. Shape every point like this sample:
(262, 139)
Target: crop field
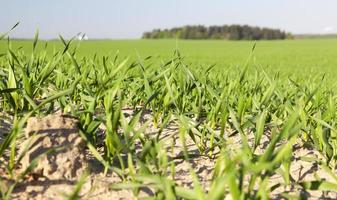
(167, 119)
(314, 56)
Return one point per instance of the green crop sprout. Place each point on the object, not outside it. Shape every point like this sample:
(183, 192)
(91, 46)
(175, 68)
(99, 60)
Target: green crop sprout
(208, 105)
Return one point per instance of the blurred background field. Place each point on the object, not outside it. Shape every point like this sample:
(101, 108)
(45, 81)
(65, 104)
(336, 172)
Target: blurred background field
(289, 57)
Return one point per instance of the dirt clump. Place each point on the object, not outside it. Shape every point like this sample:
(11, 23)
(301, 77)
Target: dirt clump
(55, 141)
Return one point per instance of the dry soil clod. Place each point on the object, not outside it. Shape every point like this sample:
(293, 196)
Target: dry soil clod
(55, 139)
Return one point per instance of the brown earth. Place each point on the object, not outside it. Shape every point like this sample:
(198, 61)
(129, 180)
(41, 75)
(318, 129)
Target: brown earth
(56, 173)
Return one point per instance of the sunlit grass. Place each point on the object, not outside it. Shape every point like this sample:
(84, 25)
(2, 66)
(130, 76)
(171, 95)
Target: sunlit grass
(206, 103)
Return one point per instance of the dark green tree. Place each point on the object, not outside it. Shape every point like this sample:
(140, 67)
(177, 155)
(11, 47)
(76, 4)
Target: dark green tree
(225, 32)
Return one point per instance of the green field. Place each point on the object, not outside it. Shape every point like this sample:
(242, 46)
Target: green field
(260, 124)
(292, 56)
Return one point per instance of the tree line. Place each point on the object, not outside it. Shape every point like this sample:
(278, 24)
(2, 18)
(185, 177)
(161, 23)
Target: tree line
(225, 32)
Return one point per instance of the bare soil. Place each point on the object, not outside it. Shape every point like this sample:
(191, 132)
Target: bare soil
(56, 173)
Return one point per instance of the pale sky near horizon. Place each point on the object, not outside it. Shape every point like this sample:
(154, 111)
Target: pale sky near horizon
(123, 19)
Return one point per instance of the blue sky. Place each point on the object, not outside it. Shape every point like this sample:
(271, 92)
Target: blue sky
(130, 18)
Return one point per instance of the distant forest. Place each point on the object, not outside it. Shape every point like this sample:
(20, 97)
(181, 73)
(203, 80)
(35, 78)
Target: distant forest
(226, 32)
